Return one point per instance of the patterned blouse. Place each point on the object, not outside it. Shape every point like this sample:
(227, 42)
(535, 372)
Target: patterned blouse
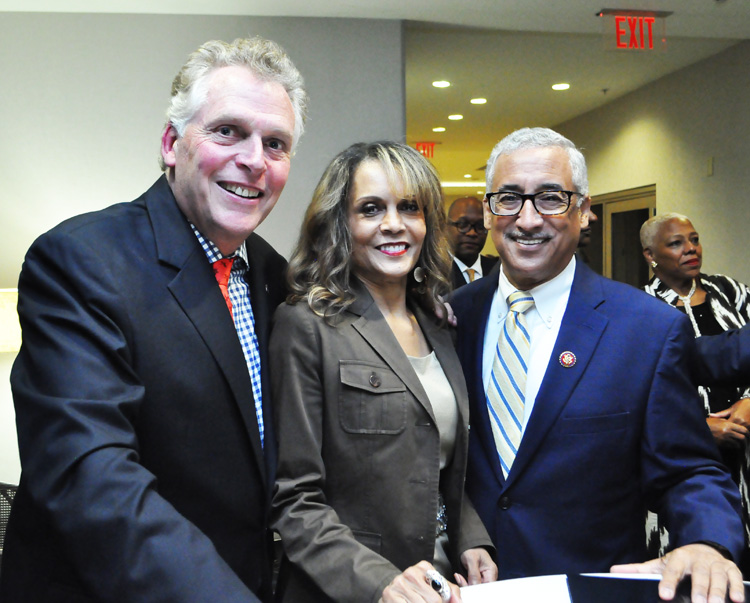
(728, 299)
(729, 302)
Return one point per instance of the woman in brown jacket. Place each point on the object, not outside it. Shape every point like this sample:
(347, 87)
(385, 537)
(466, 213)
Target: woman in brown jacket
(369, 399)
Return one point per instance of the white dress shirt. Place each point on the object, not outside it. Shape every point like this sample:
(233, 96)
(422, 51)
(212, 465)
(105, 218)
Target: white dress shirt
(543, 320)
(476, 267)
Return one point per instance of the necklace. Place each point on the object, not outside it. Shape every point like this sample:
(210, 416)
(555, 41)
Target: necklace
(685, 299)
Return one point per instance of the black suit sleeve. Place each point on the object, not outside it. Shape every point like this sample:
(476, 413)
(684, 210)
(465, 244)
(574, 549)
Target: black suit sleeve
(78, 401)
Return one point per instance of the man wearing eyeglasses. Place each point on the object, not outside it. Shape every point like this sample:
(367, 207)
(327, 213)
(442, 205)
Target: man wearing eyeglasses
(467, 235)
(583, 411)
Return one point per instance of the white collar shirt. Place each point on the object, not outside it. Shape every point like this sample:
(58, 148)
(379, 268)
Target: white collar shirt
(476, 267)
(543, 320)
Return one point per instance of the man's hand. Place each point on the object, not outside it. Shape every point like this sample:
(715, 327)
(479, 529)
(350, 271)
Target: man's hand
(712, 574)
(480, 568)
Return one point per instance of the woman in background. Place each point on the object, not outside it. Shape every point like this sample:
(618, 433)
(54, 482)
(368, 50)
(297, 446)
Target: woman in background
(714, 304)
(369, 398)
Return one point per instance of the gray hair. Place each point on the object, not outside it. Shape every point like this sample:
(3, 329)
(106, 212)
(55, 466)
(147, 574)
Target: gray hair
(650, 227)
(531, 138)
(266, 59)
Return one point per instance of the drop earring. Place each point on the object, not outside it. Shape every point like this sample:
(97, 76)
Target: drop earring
(653, 264)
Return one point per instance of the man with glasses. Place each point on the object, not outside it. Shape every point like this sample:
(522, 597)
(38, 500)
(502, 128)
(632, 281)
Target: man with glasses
(467, 235)
(583, 410)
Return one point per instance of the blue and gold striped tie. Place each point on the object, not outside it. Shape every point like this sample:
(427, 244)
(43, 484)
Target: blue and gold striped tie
(506, 391)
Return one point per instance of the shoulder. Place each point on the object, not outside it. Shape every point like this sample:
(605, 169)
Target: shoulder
(723, 283)
(623, 301)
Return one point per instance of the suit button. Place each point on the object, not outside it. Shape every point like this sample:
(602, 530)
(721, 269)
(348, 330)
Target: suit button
(505, 503)
(374, 380)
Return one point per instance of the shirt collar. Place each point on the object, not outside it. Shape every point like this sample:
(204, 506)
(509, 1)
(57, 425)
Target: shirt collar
(212, 251)
(476, 266)
(550, 298)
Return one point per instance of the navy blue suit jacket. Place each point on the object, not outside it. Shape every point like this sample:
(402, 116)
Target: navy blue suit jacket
(621, 430)
(143, 476)
(724, 359)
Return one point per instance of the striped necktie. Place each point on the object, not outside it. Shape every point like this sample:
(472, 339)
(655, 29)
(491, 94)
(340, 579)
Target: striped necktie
(506, 391)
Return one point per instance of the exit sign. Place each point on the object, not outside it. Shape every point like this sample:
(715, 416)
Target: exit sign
(637, 30)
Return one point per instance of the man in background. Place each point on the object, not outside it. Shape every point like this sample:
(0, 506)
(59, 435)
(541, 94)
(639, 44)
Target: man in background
(141, 387)
(467, 235)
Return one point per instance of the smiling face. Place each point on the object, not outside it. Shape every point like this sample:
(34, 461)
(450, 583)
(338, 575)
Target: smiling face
(677, 252)
(534, 249)
(387, 228)
(230, 166)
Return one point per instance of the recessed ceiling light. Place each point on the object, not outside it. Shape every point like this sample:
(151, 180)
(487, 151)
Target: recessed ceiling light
(438, 129)
(478, 101)
(560, 86)
(441, 84)
(455, 117)
(467, 175)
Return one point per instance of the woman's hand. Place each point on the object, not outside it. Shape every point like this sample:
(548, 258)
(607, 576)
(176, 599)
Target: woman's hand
(726, 432)
(480, 568)
(414, 586)
(739, 412)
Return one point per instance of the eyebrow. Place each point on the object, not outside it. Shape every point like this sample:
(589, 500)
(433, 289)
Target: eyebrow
(545, 186)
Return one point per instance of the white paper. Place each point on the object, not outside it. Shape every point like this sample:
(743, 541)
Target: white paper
(550, 589)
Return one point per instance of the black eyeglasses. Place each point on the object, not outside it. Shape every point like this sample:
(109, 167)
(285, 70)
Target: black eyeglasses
(547, 203)
(464, 226)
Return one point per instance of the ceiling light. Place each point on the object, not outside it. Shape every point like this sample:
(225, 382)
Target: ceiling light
(438, 129)
(478, 101)
(455, 117)
(467, 175)
(441, 84)
(560, 86)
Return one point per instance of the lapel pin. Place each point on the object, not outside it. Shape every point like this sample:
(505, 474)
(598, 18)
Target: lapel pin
(567, 359)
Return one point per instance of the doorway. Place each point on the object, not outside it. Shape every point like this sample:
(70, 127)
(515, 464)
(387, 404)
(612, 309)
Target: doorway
(615, 247)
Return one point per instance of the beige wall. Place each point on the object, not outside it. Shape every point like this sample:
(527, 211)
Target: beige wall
(82, 106)
(665, 133)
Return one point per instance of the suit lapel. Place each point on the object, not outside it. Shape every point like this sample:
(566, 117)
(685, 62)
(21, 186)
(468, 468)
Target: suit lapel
(581, 329)
(195, 290)
(373, 328)
(472, 328)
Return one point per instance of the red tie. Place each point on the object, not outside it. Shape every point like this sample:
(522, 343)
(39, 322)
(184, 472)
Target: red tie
(222, 269)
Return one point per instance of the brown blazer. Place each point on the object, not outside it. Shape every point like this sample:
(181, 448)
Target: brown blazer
(358, 474)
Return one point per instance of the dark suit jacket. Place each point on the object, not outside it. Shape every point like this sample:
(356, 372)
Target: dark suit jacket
(723, 359)
(359, 451)
(621, 430)
(143, 477)
(457, 278)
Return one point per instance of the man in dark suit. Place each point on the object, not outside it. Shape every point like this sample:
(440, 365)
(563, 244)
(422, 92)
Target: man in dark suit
(604, 420)
(467, 235)
(141, 387)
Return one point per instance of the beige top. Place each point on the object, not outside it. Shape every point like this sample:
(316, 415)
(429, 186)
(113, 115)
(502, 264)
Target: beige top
(442, 399)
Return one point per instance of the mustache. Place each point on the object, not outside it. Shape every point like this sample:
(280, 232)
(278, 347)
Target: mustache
(517, 234)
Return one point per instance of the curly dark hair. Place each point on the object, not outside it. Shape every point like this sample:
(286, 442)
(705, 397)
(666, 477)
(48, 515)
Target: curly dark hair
(320, 268)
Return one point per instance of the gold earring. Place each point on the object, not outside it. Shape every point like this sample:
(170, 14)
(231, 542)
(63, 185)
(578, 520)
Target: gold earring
(653, 264)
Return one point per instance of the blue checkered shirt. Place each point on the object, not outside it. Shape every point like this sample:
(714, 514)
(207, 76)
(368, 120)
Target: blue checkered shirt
(242, 312)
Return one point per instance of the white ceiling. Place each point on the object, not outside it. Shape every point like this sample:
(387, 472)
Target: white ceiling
(509, 51)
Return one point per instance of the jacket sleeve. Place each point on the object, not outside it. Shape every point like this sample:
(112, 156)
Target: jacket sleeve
(77, 401)
(314, 538)
(683, 477)
(723, 359)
